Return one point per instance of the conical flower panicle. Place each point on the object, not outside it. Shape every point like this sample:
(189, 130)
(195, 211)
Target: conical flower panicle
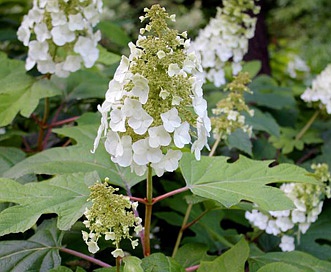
(154, 100)
(59, 34)
(225, 39)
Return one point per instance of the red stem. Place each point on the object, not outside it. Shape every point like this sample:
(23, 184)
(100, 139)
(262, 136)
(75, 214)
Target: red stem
(174, 192)
(192, 268)
(161, 197)
(62, 122)
(140, 200)
(56, 115)
(26, 144)
(84, 256)
(195, 220)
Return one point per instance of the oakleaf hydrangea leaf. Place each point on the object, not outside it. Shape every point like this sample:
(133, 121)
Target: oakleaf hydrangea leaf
(9, 156)
(266, 92)
(245, 179)
(65, 195)
(158, 262)
(17, 88)
(279, 267)
(76, 158)
(301, 260)
(191, 254)
(39, 253)
(287, 141)
(232, 260)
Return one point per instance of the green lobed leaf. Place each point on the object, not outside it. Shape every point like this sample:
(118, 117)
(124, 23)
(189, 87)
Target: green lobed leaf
(110, 269)
(39, 253)
(83, 84)
(132, 263)
(11, 134)
(65, 195)
(240, 140)
(106, 57)
(301, 260)
(159, 262)
(66, 269)
(232, 260)
(252, 67)
(61, 269)
(263, 149)
(287, 141)
(245, 179)
(263, 121)
(279, 267)
(76, 158)
(114, 33)
(192, 254)
(9, 156)
(266, 92)
(20, 92)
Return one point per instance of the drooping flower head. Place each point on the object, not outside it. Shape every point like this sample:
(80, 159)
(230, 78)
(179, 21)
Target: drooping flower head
(225, 39)
(110, 215)
(308, 200)
(320, 92)
(154, 100)
(59, 34)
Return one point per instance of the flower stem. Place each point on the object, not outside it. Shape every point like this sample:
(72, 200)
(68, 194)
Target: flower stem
(42, 124)
(83, 256)
(118, 264)
(148, 212)
(180, 234)
(307, 126)
(213, 149)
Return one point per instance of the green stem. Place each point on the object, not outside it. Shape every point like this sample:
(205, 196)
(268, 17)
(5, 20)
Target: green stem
(180, 234)
(307, 126)
(148, 211)
(213, 149)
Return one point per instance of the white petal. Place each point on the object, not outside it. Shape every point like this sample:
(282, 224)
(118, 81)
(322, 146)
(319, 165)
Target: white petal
(171, 120)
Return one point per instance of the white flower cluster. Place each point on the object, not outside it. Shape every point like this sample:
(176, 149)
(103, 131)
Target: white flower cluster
(225, 39)
(308, 201)
(146, 116)
(296, 65)
(59, 34)
(320, 90)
